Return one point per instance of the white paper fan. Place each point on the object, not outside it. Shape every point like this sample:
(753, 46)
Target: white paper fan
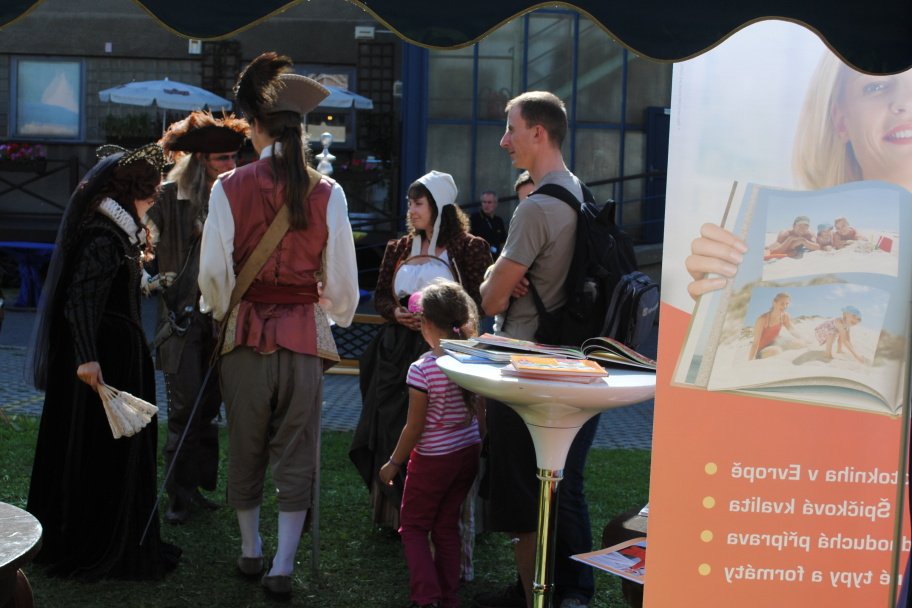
(127, 414)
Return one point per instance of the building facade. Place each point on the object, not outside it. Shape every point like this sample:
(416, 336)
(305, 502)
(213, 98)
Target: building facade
(433, 109)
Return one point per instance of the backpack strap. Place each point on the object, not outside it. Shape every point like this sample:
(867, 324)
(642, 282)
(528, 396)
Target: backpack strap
(560, 193)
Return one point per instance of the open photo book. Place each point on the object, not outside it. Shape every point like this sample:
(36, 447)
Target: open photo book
(488, 348)
(819, 309)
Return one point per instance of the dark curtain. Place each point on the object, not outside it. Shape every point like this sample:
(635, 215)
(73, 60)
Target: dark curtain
(874, 36)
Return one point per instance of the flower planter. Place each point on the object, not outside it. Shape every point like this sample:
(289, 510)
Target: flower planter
(33, 166)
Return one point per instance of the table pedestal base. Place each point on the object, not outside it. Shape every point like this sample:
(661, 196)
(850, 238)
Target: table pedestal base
(543, 584)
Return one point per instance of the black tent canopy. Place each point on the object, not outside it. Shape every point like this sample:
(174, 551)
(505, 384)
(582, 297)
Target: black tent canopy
(874, 36)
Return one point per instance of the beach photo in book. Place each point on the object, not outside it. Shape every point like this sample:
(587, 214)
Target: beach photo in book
(812, 233)
(820, 316)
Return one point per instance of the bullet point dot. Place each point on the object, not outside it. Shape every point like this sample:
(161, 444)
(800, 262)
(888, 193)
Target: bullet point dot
(711, 468)
(704, 569)
(706, 536)
(709, 502)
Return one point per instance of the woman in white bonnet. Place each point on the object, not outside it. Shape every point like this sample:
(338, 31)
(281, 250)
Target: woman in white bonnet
(436, 227)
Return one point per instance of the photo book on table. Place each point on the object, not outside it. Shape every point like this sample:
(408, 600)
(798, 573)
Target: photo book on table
(500, 348)
(554, 368)
(818, 311)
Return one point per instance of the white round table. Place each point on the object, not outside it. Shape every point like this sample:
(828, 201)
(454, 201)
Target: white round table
(553, 412)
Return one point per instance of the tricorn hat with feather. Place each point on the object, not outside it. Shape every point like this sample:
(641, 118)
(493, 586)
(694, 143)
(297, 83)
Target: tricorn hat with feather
(203, 132)
(268, 85)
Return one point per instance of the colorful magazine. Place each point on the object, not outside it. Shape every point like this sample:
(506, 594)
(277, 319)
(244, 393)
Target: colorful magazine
(554, 368)
(626, 559)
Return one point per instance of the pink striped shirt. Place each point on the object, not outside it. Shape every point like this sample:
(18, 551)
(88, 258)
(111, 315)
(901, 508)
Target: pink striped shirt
(446, 428)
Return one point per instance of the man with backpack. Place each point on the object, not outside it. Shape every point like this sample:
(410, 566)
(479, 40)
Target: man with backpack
(539, 248)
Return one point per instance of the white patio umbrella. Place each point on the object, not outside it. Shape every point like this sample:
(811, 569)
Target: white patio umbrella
(343, 98)
(166, 94)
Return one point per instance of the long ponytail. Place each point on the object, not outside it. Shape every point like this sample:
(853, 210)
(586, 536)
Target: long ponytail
(290, 166)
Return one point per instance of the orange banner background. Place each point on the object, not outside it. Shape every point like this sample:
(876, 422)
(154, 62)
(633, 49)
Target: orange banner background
(707, 519)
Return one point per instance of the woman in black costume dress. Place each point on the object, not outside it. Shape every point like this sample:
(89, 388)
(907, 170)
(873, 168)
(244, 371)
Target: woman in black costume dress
(92, 493)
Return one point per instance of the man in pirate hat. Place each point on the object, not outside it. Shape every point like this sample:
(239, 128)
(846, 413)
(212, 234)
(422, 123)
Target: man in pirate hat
(277, 337)
(207, 146)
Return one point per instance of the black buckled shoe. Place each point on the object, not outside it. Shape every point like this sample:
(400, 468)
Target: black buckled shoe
(251, 566)
(278, 585)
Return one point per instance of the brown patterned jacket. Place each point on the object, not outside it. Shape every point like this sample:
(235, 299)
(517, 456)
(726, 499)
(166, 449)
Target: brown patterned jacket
(469, 255)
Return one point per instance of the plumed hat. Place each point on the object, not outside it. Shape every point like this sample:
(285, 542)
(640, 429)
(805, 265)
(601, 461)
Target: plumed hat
(443, 189)
(268, 85)
(203, 132)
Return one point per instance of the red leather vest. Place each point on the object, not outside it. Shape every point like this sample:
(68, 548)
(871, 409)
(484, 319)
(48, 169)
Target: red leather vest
(255, 197)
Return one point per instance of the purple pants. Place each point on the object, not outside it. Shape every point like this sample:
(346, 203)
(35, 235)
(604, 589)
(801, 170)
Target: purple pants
(435, 487)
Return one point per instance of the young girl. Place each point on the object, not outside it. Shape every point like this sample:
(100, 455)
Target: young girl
(441, 444)
(838, 330)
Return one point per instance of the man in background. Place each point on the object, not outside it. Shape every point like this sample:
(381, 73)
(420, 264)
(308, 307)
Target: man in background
(487, 224)
(523, 186)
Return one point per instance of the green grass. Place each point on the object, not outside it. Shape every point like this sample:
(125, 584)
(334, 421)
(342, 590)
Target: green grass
(360, 565)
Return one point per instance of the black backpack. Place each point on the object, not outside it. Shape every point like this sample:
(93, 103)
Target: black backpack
(606, 294)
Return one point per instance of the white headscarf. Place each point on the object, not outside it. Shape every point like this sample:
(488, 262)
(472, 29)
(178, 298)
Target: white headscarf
(443, 189)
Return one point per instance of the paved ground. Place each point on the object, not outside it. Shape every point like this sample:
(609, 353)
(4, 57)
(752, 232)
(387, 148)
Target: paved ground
(626, 427)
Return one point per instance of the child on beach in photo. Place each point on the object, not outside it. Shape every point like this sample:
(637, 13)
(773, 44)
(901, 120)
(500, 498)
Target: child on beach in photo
(838, 330)
(794, 242)
(844, 234)
(825, 236)
(440, 447)
(767, 342)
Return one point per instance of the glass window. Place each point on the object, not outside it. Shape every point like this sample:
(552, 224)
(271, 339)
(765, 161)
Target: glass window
(536, 52)
(597, 155)
(550, 61)
(449, 149)
(493, 168)
(333, 123)
(634, 161)
(450, 83)
(336, 115)
(649, 84)
(600, 78)
(48, 99)
(499, 70)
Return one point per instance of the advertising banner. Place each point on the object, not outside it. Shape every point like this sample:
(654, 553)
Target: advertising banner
(778, 471)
